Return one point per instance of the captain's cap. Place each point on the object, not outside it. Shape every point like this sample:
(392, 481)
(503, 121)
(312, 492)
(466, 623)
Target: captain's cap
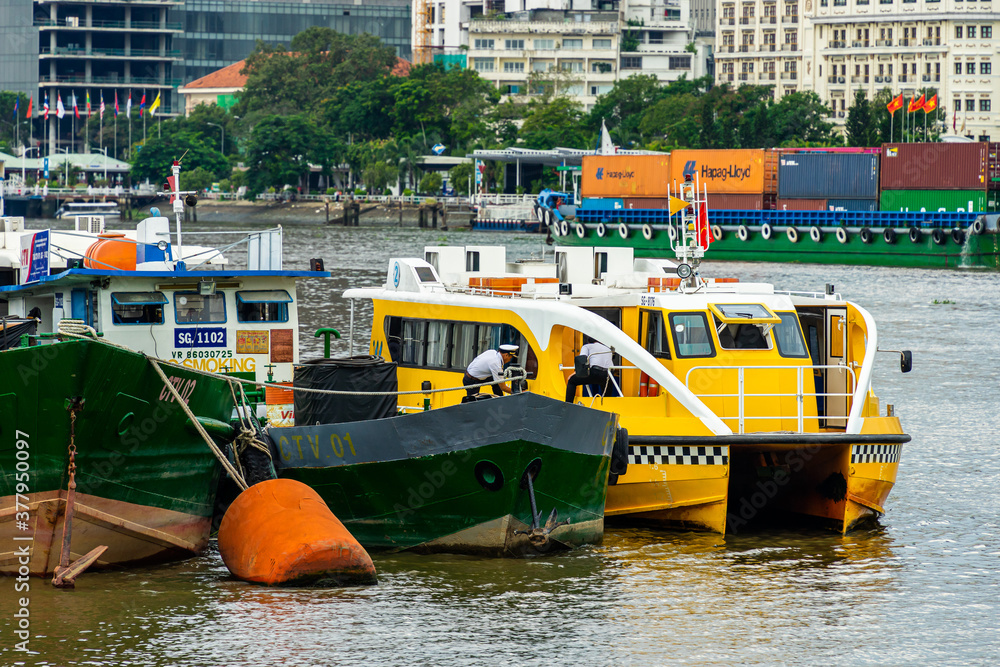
(511, 349)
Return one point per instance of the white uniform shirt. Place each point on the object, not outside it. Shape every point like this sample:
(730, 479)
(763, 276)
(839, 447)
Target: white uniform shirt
(486, 364)
(598, 354)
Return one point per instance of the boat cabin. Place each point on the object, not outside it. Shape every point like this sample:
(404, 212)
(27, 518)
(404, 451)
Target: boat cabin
(722, 356)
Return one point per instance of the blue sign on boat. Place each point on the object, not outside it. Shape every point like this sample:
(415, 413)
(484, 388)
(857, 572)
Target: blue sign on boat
(34, 257)
(200, 337)
(437, 149)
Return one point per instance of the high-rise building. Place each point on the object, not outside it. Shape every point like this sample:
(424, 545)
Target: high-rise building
(583, 46)
(838, 47)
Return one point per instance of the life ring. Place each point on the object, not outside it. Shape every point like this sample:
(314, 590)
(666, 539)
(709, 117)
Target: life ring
(915, 235)
(563, 228)
(602, 229)
(647, 232)
(716, 232)
(765, 231)
(792, 234)
(581, 231)
(623, 230)
(939, 237)
(815, 234)
(742, 233)
(842, 235)
(865, 235)
(889, 234)
(958, 236)
(671, 233)
(978, 227)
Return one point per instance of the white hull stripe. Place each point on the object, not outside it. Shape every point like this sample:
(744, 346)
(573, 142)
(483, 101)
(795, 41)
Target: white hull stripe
(875, 453)
(679, 455)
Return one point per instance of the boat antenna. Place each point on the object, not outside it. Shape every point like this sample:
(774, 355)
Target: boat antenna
(176, 198)
(688, 246)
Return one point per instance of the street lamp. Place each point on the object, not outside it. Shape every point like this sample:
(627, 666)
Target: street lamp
(65, 165)
(104, 151)
(24, 157)
(223, 136)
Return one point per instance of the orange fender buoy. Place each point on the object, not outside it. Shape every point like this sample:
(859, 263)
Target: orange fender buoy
(280, 532)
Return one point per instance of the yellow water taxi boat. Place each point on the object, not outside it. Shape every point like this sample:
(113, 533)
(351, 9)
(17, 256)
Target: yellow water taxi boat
(740, 401)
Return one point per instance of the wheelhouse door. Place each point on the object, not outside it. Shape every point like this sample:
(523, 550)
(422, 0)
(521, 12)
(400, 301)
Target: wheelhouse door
(837, 380)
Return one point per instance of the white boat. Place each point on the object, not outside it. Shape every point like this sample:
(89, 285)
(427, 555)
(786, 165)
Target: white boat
(74, 209)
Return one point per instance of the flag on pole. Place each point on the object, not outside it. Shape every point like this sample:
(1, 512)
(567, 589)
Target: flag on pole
(896, 104)
(128, 105)
(45, 107)
(155, 105)
(676, 205)
(915, 104)
(954, 117)
(102, 104)
(17, 102)
(930, 105)
(701, 224)
(60, 109)
(142, 104)
(116, 104)
(76, 109)
(28, 114)
(88, 104)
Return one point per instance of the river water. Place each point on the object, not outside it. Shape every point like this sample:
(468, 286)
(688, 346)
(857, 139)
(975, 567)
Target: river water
(920, 588)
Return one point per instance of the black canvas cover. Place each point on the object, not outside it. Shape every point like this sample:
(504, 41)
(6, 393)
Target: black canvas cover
(11, 330)
(359, 374)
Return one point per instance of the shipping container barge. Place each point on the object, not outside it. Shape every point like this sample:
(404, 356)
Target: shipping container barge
(917, 205)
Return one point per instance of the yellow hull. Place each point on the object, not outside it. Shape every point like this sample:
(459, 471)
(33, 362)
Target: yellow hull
(839, 485)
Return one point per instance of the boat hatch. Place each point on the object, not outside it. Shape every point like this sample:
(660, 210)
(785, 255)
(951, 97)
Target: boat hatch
(744, 313)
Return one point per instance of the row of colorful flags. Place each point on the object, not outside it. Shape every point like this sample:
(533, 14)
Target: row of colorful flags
(922, 104)
(61, 110)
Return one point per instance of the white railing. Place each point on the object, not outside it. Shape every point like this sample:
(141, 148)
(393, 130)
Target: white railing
(799, 395)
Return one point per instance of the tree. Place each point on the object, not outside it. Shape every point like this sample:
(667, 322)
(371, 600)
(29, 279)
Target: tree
(622, 108)
(556, 122)
(278, 152)
(300, 81)
(378, 175)
(431, 183)
(861, 128)
(154, 160)
(800, 118)
(461, 175)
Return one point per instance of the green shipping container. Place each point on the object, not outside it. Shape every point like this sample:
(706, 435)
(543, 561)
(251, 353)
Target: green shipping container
(935, 200)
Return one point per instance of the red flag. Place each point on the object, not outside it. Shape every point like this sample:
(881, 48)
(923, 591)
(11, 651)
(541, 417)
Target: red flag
(76, 109)
(915, 104)
(173, 188)
(28, 115)
(704, 229)
(931, 104)
(896, 104)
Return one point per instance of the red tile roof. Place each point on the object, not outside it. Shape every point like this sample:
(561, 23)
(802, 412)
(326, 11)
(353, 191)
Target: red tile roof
(230, 77)
(227, 77)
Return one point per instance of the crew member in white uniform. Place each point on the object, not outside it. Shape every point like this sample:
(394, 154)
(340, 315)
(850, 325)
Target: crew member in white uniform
(600, 359)
(489, 365)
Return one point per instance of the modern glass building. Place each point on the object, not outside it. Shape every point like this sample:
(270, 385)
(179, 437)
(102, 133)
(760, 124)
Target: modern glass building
(218, 33)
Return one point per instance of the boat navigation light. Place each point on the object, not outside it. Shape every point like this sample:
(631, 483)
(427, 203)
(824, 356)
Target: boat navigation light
(162, 245)
(829, 288)
(684, 271)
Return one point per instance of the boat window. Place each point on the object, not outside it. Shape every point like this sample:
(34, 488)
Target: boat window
(437, 344)
(690, 333)
(743, 336)
(655, 340)
(733, 313)
(449, 345)
(137, 307)
(472, 260)
(194, 308)
(262, 306)
(788, 336)
(413, 342)
(425, 274)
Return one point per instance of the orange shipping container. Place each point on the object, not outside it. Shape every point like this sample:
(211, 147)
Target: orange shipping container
(738, 171)
(625, 175)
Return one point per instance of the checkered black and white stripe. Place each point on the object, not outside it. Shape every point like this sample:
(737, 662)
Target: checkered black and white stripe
(679, 455)
(875, 453)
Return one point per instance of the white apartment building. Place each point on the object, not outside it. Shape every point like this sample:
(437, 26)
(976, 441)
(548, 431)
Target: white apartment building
(589, 44)
(846, 45)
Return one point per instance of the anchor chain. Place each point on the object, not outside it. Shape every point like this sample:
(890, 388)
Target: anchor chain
(65, 574)
(539, 534)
